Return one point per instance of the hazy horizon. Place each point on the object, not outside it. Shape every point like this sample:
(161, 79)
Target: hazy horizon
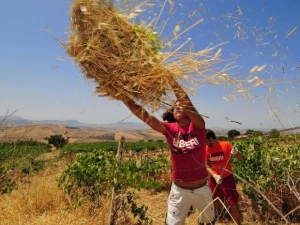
(16, 117)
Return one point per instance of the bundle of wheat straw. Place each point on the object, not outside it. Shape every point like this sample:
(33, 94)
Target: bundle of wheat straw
(122, 58)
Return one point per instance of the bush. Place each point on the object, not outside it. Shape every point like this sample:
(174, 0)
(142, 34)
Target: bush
(58, 141)
(233, 133)
(274, 133)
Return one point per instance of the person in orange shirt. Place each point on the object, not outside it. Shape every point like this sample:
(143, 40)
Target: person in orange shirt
(221, 181)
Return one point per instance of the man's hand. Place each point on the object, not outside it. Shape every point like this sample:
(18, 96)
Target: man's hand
(234, 151)
(217, 178)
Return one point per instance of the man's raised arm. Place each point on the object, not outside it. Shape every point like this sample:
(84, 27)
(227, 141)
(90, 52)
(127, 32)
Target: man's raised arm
(188, 106)
(143, 115)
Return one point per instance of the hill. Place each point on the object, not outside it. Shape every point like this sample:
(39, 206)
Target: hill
(17, 120)
(13, 132)
(14, 128)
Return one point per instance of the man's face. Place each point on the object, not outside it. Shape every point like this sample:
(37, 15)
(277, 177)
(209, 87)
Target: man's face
(178, 112)
(210, 142)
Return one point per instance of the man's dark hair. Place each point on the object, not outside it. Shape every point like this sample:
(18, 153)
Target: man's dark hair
(168, 116)
(210, 134)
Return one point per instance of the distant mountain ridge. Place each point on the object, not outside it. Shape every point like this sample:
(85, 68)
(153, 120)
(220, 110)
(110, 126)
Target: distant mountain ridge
(12, 119)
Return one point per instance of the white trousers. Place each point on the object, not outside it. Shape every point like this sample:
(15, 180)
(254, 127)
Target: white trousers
(180, 200)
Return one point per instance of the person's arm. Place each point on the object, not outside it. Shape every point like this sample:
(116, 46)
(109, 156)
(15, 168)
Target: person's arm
(188, 106)
(234, 151)
(217, 177)
(209, 170)
(143, 115)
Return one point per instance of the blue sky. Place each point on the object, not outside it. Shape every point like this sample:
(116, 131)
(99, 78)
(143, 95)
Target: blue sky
(39, 80)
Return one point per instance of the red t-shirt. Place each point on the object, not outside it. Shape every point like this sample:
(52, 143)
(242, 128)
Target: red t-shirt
(187, 152)
(217, 157)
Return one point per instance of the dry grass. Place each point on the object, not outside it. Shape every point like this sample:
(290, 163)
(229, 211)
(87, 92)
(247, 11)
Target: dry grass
(38, 200)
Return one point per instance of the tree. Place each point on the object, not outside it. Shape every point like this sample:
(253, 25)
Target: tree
(258, 133)
(251, 132)
(233, 133)
(58, 141)
(274, 133)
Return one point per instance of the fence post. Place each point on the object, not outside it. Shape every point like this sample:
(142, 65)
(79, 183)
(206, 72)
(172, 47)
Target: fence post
(113, 210)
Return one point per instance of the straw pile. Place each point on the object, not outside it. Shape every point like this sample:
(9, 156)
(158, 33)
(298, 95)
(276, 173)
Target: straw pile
(125, 61)
(122, 58)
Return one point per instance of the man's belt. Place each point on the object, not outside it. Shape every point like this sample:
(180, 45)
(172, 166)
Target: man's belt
(191, 188)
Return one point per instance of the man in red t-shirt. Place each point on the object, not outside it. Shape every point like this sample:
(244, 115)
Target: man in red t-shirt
(221, 182)
(186, 136)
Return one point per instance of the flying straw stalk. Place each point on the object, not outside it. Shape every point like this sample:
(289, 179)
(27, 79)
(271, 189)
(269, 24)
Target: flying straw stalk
(125, 59)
